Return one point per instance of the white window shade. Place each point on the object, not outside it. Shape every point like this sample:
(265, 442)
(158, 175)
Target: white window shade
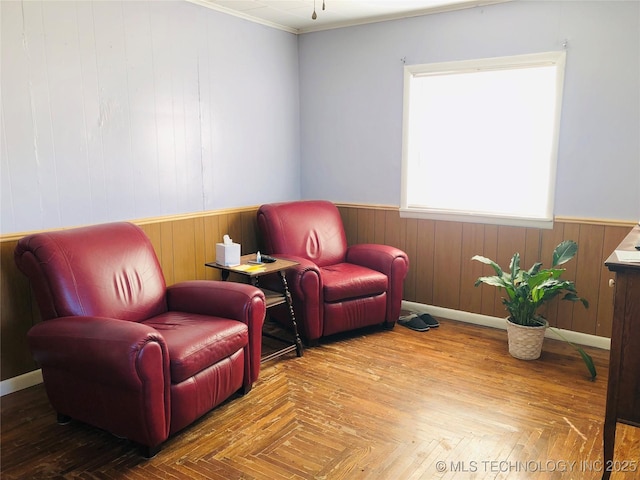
(480, 139)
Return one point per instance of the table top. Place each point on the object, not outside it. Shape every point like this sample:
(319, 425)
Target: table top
(254, 270)
(615, 263)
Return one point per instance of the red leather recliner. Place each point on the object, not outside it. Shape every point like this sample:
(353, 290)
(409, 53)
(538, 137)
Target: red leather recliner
(336, 288)
(121, 351)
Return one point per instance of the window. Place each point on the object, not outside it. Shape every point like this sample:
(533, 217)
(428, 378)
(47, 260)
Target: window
(480, 139)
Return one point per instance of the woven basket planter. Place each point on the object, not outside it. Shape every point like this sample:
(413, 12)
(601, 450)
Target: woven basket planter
(525, 343)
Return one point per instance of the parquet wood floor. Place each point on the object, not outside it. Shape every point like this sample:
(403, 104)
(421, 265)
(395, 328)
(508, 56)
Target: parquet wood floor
(445, 404)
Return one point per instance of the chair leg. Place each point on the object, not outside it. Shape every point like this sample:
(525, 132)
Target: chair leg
(150, 452)
(63, 419)
(388, 325)
(245, 389)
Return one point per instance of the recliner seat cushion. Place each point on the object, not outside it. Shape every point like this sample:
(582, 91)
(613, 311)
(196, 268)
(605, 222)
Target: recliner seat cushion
(195, 342)
(346, 280)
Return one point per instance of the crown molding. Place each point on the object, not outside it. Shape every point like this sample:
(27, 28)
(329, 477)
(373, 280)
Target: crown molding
(244, 16)
(349, 23)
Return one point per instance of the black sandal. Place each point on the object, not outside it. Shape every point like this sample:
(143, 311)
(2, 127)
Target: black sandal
(429, 321)
(414, 322)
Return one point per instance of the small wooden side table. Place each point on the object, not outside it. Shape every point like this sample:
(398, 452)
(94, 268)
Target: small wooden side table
(253, 272)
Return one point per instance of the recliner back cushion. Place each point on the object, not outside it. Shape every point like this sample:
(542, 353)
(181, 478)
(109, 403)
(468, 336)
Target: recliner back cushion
(309, 229)
(108, 270)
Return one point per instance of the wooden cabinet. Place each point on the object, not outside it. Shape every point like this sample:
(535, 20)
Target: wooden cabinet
(623, 391)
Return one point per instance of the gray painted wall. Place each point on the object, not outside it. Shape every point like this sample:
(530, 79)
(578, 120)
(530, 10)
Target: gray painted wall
(125, 110)
(351, 98)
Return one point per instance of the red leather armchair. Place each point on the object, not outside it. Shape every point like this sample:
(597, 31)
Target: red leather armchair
(121, 351)
(336, 287)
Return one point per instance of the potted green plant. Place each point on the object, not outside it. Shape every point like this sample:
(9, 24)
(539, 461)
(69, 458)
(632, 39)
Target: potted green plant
(526, 291)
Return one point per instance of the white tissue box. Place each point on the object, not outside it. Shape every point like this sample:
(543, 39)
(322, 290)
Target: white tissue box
(228, 254)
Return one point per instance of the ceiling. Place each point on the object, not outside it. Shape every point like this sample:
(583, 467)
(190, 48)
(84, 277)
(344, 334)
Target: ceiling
(295, 15)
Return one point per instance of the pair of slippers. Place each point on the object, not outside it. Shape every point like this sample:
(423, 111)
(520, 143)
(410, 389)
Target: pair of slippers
(420, 322)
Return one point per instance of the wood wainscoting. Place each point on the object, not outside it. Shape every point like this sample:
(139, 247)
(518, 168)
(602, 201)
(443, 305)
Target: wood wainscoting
(183, 244)
(441, 271)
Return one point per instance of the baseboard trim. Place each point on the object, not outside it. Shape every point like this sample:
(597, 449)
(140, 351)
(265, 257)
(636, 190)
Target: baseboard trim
(20, 382)
(495, 322)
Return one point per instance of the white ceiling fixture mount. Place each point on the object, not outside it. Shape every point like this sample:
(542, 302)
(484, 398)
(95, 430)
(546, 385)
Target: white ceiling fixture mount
(300, 16)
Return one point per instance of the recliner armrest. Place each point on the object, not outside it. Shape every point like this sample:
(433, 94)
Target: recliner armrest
(296, 274)
(305, 284)
(391, 261)
(378, 257)
(96, 347)
(126, 363)
(237, 301)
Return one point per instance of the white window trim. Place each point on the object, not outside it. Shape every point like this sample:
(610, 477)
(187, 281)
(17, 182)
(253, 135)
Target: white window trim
(557, 58)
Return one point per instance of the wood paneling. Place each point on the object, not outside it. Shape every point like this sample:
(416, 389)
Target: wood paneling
(393, 225)
(472, 243)
(200, 252)
(366, 225)
(447, 263)
(489, 294)
(18, 313)
(531, 253)
(588, 270)
(441, 271)
(612, 237)
(411, 249)
(422, 263)
(183, 246)
(249, 229)
(551, 238)
(565, 309)
(379, 226)
(372, 405)
(212, 236)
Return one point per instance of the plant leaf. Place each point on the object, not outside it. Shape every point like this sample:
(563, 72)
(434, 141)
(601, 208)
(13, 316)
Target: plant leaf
(535, 268)
(514, 266)
(575, 298)
(488, 261)
(539, 278)
(588, 361)
(494, 281)
(564, 252)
